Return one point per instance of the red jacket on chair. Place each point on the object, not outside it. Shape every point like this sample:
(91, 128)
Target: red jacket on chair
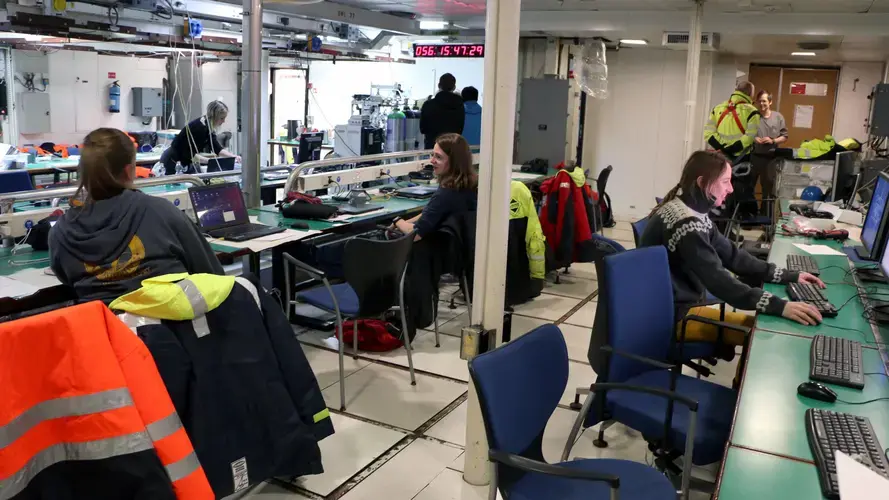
(567, 217)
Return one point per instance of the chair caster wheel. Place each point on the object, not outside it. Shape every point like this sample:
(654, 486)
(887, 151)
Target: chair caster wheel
(437, 345)
(343, 409)
(575, 406)
(600, 443)
(414, 382)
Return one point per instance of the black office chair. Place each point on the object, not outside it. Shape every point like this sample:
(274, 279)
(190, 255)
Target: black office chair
(605, 219)
(374, 272)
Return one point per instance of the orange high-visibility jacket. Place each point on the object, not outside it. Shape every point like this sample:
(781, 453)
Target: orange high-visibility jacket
(84, 412)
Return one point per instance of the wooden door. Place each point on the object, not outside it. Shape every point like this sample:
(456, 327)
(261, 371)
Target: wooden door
(808, 97)
(766, 78)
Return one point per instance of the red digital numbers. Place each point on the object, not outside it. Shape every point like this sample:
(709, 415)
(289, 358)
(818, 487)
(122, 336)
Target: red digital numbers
(450, 50)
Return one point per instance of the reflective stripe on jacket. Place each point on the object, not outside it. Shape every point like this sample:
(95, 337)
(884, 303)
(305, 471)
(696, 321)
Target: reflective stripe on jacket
(83, 396)
(521, 205)
(725, 118)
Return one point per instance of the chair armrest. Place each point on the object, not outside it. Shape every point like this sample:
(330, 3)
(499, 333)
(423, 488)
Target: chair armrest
(710, 302)
(635, 357)
(723, 324)
(317, 273)
(674, 396)
(526, 464)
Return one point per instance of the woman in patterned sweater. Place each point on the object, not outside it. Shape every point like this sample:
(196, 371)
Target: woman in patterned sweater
(702, 259)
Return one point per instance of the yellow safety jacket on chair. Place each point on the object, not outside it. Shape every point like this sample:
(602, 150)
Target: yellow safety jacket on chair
(521, 205)
(817, 148)
(733, 125)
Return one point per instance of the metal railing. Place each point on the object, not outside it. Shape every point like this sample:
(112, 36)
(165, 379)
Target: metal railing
(350, 160)
(8, 199)
(229, 173)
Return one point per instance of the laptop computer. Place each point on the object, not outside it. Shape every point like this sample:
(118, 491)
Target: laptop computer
(417, 192)
(219, 164)
(221, 213)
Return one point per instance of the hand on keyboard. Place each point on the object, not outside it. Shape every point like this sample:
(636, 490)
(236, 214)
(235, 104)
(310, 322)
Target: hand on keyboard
(811, 278)
(802, 312)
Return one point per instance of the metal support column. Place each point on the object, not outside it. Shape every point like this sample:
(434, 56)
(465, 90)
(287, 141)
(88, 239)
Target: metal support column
(692, 69)
(492, 232)
(251, 99)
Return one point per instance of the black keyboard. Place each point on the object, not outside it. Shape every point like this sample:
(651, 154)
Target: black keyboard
(836, 361)
(807, 292)
(829, 431)
(803, 264)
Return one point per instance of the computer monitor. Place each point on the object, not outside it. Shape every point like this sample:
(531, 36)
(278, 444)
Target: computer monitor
(876, 222)
(843, 187)
(310, 146)
(218, 205)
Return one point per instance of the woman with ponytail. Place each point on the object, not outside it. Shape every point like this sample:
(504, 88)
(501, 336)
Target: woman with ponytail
(702, 259)
(115, 236)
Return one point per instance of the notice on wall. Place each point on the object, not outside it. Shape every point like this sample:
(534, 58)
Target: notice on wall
(809, 89)
(803, 115)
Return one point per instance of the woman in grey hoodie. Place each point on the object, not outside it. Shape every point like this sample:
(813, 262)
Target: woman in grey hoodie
(113, 237)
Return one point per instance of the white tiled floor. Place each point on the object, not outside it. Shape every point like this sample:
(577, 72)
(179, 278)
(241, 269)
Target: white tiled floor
(402, 442)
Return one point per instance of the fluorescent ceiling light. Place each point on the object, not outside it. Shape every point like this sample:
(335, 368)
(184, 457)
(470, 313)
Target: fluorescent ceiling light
(433, 25)
(633, 41)
(803, 54)
(428, 40)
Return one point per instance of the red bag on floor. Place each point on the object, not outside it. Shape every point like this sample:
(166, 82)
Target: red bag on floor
(373, 335)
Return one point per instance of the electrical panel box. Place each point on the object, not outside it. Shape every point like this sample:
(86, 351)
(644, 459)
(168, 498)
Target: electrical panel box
(879, 120)
(33, 112)
(543, 120)
(147, 102)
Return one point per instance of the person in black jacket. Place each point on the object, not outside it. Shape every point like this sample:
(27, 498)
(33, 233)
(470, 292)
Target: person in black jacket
(197, 138)
(703, 260)
(443, 113)
(457, 191)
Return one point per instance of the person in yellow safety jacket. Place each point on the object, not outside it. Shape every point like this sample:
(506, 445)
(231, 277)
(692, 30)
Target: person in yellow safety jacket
(733, 124)
(238, 378)
(817, 148)
(521, 205)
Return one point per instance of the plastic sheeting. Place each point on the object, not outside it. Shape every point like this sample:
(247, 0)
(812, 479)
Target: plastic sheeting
(591, 72)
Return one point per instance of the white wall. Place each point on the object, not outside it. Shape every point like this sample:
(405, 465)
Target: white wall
(639, 129)
(334, 84)
(78, 91)
(852, 107)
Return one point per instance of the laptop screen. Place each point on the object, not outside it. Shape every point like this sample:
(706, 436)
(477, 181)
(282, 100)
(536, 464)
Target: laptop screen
(219, 206)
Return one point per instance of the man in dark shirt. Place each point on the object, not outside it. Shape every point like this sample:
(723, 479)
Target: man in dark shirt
(443, 113)
(199, 136)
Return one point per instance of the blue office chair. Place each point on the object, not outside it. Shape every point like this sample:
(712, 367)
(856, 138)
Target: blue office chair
(374, 272)
(519, 386)
(12, 181)
(640, 346)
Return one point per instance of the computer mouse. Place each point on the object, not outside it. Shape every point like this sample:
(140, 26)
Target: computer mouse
(817, 390)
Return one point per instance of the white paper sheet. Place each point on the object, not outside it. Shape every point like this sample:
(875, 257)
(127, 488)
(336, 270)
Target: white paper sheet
(803, 116)
(263, 243)
(14, 288)
(817, 249)
(832, 209)
(858, 481)
(40, 278)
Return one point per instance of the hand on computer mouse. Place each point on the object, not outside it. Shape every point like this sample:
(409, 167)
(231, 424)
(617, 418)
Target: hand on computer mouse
(802, 312)
(811, 279)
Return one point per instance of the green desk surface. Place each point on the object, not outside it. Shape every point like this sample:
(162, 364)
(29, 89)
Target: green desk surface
(269, 214)
(11, 264)
(840, 289)
(770, 413)
(749, 475)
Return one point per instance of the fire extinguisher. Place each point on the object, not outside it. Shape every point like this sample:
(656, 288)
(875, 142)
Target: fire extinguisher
(114, 96)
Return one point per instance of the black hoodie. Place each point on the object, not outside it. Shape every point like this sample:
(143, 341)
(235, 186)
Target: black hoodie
(441, 115)
(106, 248)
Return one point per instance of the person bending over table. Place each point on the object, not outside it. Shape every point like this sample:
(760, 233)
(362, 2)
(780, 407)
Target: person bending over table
(198, 137)
(457, 186)
(114, 236)
(701, 259)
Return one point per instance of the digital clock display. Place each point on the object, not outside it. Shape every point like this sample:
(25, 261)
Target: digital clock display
(450, 50)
